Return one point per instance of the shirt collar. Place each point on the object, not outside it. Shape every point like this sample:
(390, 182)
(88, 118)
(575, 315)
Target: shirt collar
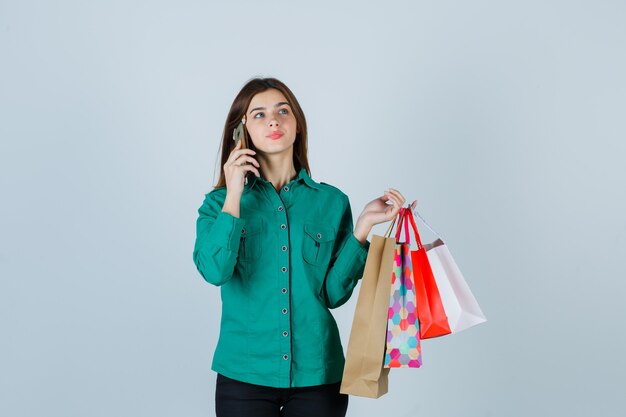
(302, 176)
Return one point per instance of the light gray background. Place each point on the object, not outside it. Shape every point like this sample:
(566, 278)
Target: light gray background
(504, 119)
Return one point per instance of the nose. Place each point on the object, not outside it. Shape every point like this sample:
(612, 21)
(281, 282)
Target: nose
(273, 122)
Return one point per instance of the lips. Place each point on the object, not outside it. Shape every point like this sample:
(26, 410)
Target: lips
(276, 134)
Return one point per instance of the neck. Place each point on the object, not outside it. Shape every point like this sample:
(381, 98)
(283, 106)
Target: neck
(277, 169)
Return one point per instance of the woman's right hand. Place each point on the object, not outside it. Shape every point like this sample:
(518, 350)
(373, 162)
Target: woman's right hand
(236, 167)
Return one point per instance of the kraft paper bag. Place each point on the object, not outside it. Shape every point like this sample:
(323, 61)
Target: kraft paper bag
(364, 374)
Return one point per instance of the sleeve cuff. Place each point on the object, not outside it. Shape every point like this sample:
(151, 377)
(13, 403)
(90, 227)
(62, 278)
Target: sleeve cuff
(354, 250)
(226, 231)
(360, 248)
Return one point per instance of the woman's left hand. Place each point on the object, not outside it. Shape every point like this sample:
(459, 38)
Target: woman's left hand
(378, 211)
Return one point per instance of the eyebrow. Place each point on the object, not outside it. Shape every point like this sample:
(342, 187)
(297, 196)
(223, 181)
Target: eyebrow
(276, 105)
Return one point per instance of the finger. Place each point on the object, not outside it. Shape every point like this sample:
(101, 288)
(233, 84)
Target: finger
(398, 194)
(394, 193)
(395, 209)
(413, 205)
(245, 158)
(236, 153)
(395, 199)
(236, 148)
(394, 206)
(251, 168)
(385, 197)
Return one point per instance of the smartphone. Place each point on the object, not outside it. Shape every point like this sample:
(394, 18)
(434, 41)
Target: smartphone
(239, 134)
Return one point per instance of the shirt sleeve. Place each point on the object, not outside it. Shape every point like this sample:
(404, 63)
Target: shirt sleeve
(217, 242)
(348, 262)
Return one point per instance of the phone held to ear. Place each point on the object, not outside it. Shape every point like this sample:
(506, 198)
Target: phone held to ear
(240, 135)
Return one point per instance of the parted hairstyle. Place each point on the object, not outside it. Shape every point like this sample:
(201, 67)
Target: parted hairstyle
(238, 109)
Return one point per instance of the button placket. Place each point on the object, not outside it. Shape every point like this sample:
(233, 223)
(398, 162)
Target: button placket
(283, 276)
(284, 280)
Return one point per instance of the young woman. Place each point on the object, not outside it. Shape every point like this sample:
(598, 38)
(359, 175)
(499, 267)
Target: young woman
(283, 250)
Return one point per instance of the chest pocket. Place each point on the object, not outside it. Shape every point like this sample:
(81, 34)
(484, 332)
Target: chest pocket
(317, 244)
(250, 243)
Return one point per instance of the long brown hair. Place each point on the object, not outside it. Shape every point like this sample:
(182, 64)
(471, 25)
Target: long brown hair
(238, 109)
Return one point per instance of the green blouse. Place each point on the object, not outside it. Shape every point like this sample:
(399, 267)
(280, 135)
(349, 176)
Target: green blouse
(289, 258)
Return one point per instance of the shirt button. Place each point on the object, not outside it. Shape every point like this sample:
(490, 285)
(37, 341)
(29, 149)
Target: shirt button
(284, 269)
(319, 235)
(284, 248)
(284, 290)
(284, 311)
(285, 357)
(286, 188)
(285, 333)
(280, 208)
(283, 226)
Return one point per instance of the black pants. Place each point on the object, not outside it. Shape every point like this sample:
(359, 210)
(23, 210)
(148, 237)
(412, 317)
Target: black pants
(240, 399)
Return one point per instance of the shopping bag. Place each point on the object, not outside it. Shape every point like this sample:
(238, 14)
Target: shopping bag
(363, 373)
(431, 314)
(403, 339)
(459, 303)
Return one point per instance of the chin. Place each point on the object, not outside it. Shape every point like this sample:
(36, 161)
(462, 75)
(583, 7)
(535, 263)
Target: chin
(268, 145)
(275, 146)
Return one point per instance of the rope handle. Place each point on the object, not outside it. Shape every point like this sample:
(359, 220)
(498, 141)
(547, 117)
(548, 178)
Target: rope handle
(393, 221)
(400, 216)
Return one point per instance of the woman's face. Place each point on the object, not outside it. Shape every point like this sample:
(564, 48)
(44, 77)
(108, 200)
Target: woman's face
(270, 122)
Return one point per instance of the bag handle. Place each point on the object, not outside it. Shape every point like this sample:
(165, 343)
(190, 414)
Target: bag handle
(401, 220)
(427, 225)
(404, 222)
(404, 216)
(418, 239)
(390, 228)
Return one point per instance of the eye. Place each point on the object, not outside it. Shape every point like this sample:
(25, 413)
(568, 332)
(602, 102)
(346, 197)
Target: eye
(283, 111)
(259, 113)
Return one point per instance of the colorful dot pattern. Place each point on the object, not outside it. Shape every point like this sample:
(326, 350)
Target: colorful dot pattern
(404, 349)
